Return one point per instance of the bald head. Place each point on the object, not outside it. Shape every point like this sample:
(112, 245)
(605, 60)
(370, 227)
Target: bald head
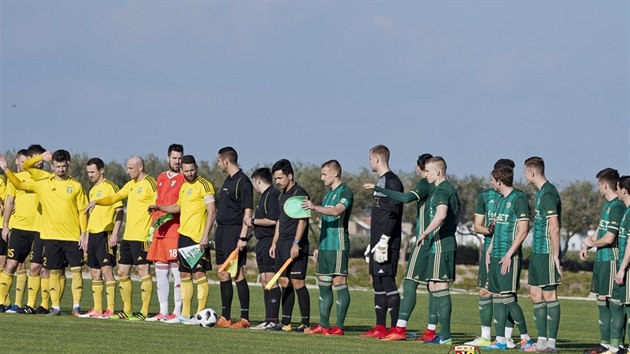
(135, 167)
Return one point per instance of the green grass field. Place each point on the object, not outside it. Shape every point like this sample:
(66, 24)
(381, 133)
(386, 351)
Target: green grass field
(37, 333)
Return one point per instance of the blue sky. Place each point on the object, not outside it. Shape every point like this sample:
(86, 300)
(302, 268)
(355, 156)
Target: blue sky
(472, 81)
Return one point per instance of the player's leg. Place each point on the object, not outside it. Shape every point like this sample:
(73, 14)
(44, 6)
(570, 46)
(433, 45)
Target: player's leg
(125, 262)
(485, 307)
(298, 276)
(242, 289)
(205, 265)
(20, 288)
(163, 288)
(16, 250)
(107, 273)
(283, 249)
(177, 283)
(73, 255)
(223, 247)
(96, 275)
(266, 269)
(53, 260)
(146, 281)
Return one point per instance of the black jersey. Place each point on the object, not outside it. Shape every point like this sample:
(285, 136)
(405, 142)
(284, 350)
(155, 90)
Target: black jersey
(288, 226)
(267, 208)
(387, 212)
(235, 196)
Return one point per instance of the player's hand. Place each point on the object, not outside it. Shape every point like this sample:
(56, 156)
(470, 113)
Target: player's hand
(315, 254)
(368, 185)
(558, 264)
(89, 207)
(113, 241)
(588, 242)
(153, 208)
(241, 245)
(83, 242)
(367, 254)
(620, 277)
(47, 156)
(5, 234)
(248, 222)
(420, 238)
(3, 163)
(272, 250)
(381, 249)
(490, 228)
(505, 262)
(295, 251)
(308, 205)
(584, 253)
(203, 243)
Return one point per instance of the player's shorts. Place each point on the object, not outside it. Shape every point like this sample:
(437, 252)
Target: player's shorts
(266, 264)
(297, 268)
(99, 254)
(203, 264)
(3, 246)
(37, 253)
(332, 262)
(20, 244)
(59, 254)
(441, 267)
(418, 263)
(163, 249)
(603, 278)
(133, 253)
(482, 275)
(504, 283)
(387, 268)
(543, 272)
(225, 241)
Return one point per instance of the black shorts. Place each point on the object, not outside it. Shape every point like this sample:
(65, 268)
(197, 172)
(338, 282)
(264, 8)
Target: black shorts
(297, 268)
(58, 254)
(225, 241)
(133, 253)
(37, 254)
(390, 267)
(3, 246)
(20, 244)
(266, 264)
(99, 254)
(203, 264)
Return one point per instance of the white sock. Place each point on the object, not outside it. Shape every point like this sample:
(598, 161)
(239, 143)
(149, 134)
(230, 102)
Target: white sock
(501, 340)
(541, 342)
(551, 343)
(163, 286)
(401, 323)
(525, 336)
(508, 332)
(486, 332)
(177, 286)
(431, 327)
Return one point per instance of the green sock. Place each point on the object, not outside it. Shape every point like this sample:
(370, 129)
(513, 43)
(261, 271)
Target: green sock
(540, 317)
(515, 310)
(444, 307)
(433, 315)
(343, 302)
(604, 321)
(553, 318)
(408, 301)
(325, 303)
(485, 310)
(500, 315)
(617, 316)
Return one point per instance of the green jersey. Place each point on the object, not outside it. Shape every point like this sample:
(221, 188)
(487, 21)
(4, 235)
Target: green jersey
(624, 232)
(443, 238)
(547, 204)
(487, 203)
(334, 231)
(510, 211)
(612, 212)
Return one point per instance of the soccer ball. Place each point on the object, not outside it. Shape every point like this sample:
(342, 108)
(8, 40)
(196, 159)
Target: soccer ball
(207, 317)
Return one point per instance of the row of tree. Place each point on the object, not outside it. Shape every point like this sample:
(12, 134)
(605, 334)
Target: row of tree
(581, 203)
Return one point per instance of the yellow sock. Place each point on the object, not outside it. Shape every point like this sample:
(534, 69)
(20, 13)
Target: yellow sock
(54, 287)
(186, 290)
(202, 293)
(45, 288)
(62, 283)
(77, 286)
(97, 295)
(34, 283)
(20, 286)
(110, 293)
(5, 285)
(125, 293)
(146, 289)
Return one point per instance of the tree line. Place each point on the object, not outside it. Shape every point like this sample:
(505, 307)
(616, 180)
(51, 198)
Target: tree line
(581, 203)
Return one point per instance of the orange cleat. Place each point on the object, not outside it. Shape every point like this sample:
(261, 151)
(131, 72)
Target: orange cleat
(222, 322)
(335, 331)
(376, 332)
(242, 323)
(396, 333)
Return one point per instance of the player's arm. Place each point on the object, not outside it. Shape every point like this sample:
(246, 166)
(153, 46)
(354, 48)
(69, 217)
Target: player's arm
(478, 225)
(440, 215)
(212, 209)
(421, 191)
(110, 199)
(29, 165)
(554, 235)
(522, 226)
(118, 218)
(606, 240)
(242, 239)
(276, 236)
(262, 222)
(170, 209)
(6, 214)
(299, 233)
(330, 211)
(246, 196)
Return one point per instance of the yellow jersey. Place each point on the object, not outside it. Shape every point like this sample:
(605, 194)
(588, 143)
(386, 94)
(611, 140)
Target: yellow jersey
(27, 211)
(3, 197)
(193, 197)
(102, 216)
(140, 195)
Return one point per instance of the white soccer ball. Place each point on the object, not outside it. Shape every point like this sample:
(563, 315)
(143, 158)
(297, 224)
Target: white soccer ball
(207, 317)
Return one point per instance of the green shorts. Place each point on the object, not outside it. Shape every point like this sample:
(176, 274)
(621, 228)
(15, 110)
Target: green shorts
(504, 283)
(620, 292)
(603, 278)
(441, 267)
(330, 262)
(542, 271)
(418, 263)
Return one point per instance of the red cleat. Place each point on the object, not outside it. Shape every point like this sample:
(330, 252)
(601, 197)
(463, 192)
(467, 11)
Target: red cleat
(396, 333)
(428, 335)
(376, 332)
(335, 331)
(317, 329)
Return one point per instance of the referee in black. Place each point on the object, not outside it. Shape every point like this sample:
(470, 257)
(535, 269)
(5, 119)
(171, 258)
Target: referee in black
(235, 204)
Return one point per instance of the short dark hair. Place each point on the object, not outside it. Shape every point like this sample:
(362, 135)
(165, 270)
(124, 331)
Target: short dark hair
(382, 151)
(283, 165)
(35, 149)
(504, 162)
(61, 156)
(536, 163)
(624, 183)
(334, 165)
(504, 174)
(609, 176)
(263, 173)
(96, 161)
(439, 160)
(22, 152)
(422, 160)
(175, 147)
(228, 153)
(189, 159)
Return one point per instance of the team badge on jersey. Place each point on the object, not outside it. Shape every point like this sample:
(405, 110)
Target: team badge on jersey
(508, 204)
(69, 190)
(98, 195)
(189, 191)
(139, 190)
(173, 183)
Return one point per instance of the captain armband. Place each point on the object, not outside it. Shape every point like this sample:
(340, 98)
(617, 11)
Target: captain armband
(208, 199)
